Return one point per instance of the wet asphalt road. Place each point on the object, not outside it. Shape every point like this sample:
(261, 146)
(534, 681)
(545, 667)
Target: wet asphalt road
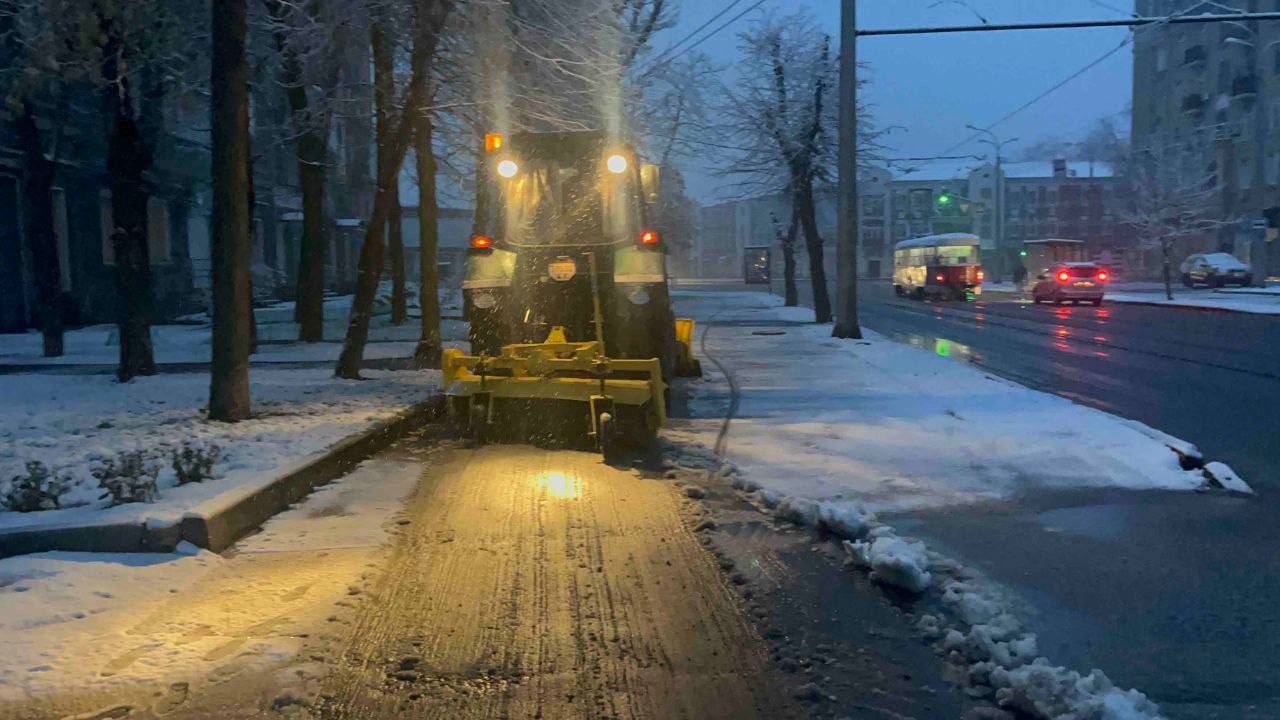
(1176, 594)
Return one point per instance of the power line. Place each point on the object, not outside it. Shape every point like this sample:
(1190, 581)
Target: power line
(696, 30)
(1041, 96)
(704, 38)
(1074, 24)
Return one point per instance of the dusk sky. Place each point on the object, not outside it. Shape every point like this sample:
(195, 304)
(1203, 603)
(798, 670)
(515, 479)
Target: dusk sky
(933, 85)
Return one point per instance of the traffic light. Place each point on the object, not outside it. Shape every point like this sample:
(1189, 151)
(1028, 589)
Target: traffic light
(1022, 253)
(944, 200)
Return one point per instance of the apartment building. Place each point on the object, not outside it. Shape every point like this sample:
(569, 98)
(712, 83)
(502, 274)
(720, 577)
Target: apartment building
(1206, 110)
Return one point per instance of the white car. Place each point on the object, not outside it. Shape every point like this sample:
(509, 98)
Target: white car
(1215, 270)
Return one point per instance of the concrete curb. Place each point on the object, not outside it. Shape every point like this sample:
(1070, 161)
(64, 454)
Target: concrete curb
(219, 528)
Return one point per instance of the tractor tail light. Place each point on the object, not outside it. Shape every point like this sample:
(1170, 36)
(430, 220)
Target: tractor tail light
(481, 242)
(650, 238)
(981, 275)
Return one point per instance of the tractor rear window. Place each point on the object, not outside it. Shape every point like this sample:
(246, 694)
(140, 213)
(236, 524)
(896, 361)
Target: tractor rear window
(553, 204)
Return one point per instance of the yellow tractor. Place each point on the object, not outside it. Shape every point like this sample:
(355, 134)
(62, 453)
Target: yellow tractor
(572, 335)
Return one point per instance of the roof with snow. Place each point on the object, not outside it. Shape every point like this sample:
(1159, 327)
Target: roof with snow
(1044, 169)
(943, 240)
(960, 169)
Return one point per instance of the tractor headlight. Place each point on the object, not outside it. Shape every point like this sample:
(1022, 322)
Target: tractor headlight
(617, 164)
(508, 168)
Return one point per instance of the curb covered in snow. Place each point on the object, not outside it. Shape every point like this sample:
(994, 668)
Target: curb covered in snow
(218, 523)
(975, 629)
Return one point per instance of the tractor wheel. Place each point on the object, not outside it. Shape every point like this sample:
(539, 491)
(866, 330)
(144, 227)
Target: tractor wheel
(478, 423)
(609, 438)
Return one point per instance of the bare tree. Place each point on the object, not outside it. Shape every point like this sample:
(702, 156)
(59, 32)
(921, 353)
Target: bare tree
(782, 117)
(232, 306)
(1166, 208)
(395, 132)
(310, 37)
(34, 103)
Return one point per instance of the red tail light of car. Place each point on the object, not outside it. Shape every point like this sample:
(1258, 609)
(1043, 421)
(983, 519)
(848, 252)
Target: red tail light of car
(1103, 276)
(1063, 276)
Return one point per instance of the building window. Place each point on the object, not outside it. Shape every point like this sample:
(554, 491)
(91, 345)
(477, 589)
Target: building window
(159, 243)
(1273, 169)
(1244, 174)
(1162, 59)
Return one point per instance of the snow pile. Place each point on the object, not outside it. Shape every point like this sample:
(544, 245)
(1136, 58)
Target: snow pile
(1222, 474)
(1054, 693)
(976, 629)
(892, 559)
(73, 424)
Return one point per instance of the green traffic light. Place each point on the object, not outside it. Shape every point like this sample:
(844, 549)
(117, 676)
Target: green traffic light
(944, 199)
(1023, 253)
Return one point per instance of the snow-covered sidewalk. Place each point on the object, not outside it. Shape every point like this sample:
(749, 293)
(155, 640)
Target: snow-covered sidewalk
(893, 428)
(103, 628)
(71, 427)
(1250, 300)
(190, 341)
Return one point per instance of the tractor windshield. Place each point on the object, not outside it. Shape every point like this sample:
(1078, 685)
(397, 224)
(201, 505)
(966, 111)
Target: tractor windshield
(549, 202)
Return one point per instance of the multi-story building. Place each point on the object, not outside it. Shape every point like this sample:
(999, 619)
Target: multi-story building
(1206, 109)
(1052, 199)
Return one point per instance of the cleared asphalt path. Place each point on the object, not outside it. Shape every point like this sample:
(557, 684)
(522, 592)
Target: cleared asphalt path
(548, 585)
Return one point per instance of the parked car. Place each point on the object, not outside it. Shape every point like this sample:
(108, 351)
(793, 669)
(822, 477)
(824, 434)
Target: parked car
(1215, 270)
(1071, 282)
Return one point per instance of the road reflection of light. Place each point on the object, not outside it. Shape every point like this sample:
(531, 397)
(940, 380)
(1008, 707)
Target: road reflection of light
(1062, 346)
(1062, 331)
(980, 317)
(1100, 338)
(1101, 353)
(558, 484)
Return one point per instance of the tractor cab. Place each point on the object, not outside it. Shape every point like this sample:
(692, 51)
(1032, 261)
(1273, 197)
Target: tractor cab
(565, 282)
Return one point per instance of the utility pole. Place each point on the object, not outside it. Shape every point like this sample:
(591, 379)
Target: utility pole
(846, 325)
(997, 227)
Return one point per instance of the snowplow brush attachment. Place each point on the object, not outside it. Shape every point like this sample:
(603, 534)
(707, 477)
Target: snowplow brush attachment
(555, 391)
(686, 364)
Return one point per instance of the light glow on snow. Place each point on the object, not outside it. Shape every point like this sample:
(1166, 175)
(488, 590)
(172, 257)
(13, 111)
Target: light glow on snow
(559, 485)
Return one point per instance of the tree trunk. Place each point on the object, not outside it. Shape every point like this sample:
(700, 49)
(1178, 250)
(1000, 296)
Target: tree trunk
(310, 150)
(399, 304)
(1166, 270)
(310, 291)
(251, 198)
(126, 164)
(229, 120)
(128, 158)
(392, 147)
(38, 226)
(427, 354)
(790, 292)
(813, 245)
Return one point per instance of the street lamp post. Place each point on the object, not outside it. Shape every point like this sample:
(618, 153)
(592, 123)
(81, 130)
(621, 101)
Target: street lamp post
(997, 227)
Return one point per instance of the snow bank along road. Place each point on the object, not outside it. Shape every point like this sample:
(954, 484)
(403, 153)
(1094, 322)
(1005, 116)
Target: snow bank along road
(1171, 593)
